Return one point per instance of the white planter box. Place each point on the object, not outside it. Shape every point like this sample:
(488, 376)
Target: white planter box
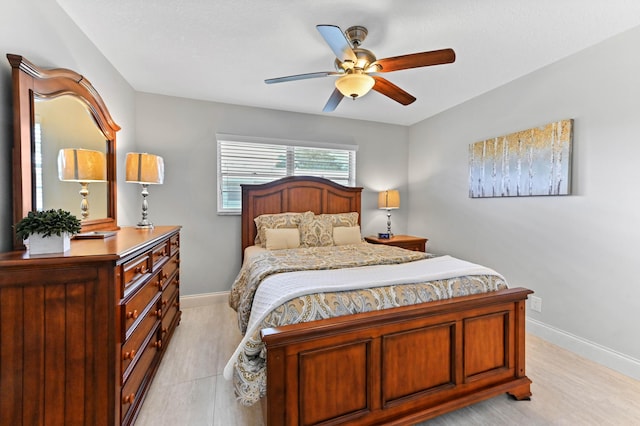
(52, 244)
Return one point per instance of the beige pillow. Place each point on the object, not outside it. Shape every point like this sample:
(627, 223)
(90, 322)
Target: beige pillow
(316, 231)
(282, 238)
(276, 221)
(342, 219)
(346, 235)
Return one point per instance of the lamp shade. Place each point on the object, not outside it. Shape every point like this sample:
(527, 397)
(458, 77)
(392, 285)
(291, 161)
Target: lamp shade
(144, 168)
(82, 165)
(355, 85)
(389, 199)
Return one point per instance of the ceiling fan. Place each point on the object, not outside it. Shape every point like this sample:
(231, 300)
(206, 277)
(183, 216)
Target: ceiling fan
(358, 68)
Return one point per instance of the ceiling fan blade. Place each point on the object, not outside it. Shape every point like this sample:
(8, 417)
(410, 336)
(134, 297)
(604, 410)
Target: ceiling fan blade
(387, 88)
(338, 42)
(333, 101)
(300, 77)
(415, 60)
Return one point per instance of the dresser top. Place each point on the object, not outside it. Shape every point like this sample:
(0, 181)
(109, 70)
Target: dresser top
(126, 241)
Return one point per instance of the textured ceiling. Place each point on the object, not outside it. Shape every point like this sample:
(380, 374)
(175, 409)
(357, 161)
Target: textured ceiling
(222, 51)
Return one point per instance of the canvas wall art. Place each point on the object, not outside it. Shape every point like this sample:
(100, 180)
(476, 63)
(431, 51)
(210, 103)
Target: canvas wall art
(531, 162)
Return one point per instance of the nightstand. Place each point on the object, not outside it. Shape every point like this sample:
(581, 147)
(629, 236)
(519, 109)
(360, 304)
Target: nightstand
(405, 241)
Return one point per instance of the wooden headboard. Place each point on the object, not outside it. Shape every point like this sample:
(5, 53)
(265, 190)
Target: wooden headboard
(295, 194)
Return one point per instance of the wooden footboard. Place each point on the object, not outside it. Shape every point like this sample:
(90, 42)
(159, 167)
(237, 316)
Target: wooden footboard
(398, 366)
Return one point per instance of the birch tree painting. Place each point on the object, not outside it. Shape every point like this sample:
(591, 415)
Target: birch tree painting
(531, 162)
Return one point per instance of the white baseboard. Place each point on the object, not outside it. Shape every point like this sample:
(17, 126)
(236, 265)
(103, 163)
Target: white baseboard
(204, 299)
(602, 355)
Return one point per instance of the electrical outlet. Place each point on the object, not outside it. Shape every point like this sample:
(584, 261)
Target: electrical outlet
(536, 304)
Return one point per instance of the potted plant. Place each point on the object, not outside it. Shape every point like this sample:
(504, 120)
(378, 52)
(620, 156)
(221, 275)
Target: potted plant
(48, 231)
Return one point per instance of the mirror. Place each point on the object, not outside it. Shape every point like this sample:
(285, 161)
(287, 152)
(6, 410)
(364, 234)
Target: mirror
(64, 122)
(56, 109)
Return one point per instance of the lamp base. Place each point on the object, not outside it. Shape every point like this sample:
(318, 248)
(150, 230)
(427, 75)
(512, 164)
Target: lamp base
(144, 222)
(144, 225)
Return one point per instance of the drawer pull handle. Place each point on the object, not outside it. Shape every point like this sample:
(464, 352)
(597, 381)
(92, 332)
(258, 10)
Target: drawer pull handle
(164, 330)
(164, 302)
(129, 399)
(176, 304)
(141, 269)
(163, 278)
(133, 314)
(129, 355)
(158, 344)
(158, 313)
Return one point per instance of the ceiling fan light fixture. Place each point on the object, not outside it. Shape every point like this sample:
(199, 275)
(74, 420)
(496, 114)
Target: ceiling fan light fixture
(355, 85)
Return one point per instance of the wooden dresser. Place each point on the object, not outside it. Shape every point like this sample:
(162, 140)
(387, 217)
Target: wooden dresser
(82, 334)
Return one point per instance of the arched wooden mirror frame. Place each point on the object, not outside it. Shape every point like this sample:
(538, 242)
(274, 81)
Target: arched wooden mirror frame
(30, 82)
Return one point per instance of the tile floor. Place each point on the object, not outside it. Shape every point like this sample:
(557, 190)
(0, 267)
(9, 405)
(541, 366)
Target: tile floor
(567, 390)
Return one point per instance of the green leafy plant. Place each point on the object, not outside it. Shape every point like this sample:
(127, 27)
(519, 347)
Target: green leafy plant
(47, 223)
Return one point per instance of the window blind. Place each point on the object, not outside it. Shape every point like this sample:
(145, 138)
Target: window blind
(255, 162)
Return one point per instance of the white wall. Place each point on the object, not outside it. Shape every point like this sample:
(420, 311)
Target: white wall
(578, 252)
(43, 33)
(183, 132)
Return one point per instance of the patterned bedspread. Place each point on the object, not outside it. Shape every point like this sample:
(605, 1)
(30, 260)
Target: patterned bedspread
(306, 259)
(247, 367)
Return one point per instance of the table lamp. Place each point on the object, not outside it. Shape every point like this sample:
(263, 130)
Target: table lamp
(145, 169)
(389, 200)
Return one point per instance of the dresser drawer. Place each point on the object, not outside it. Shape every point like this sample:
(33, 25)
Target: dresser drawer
(134, 307)
(132, 347)
(170, 312)
(169, 293)
(135, 385)
(160, 254)
(169, 269)
(135, 270)
(174, 244)
(415, 246)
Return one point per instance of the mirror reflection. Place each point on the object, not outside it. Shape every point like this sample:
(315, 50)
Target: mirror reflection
(65, 122)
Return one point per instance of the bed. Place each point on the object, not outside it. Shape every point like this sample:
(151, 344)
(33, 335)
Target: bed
(396, 365)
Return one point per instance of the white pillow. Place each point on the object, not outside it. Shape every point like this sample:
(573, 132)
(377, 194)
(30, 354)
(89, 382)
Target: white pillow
(282, 238)
(346, 235)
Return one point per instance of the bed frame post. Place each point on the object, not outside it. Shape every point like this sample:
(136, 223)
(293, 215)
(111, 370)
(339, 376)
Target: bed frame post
(274, 411)
(523, 391)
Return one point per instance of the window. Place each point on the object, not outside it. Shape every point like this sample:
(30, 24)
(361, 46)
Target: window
(37, 165)
(251, 160)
